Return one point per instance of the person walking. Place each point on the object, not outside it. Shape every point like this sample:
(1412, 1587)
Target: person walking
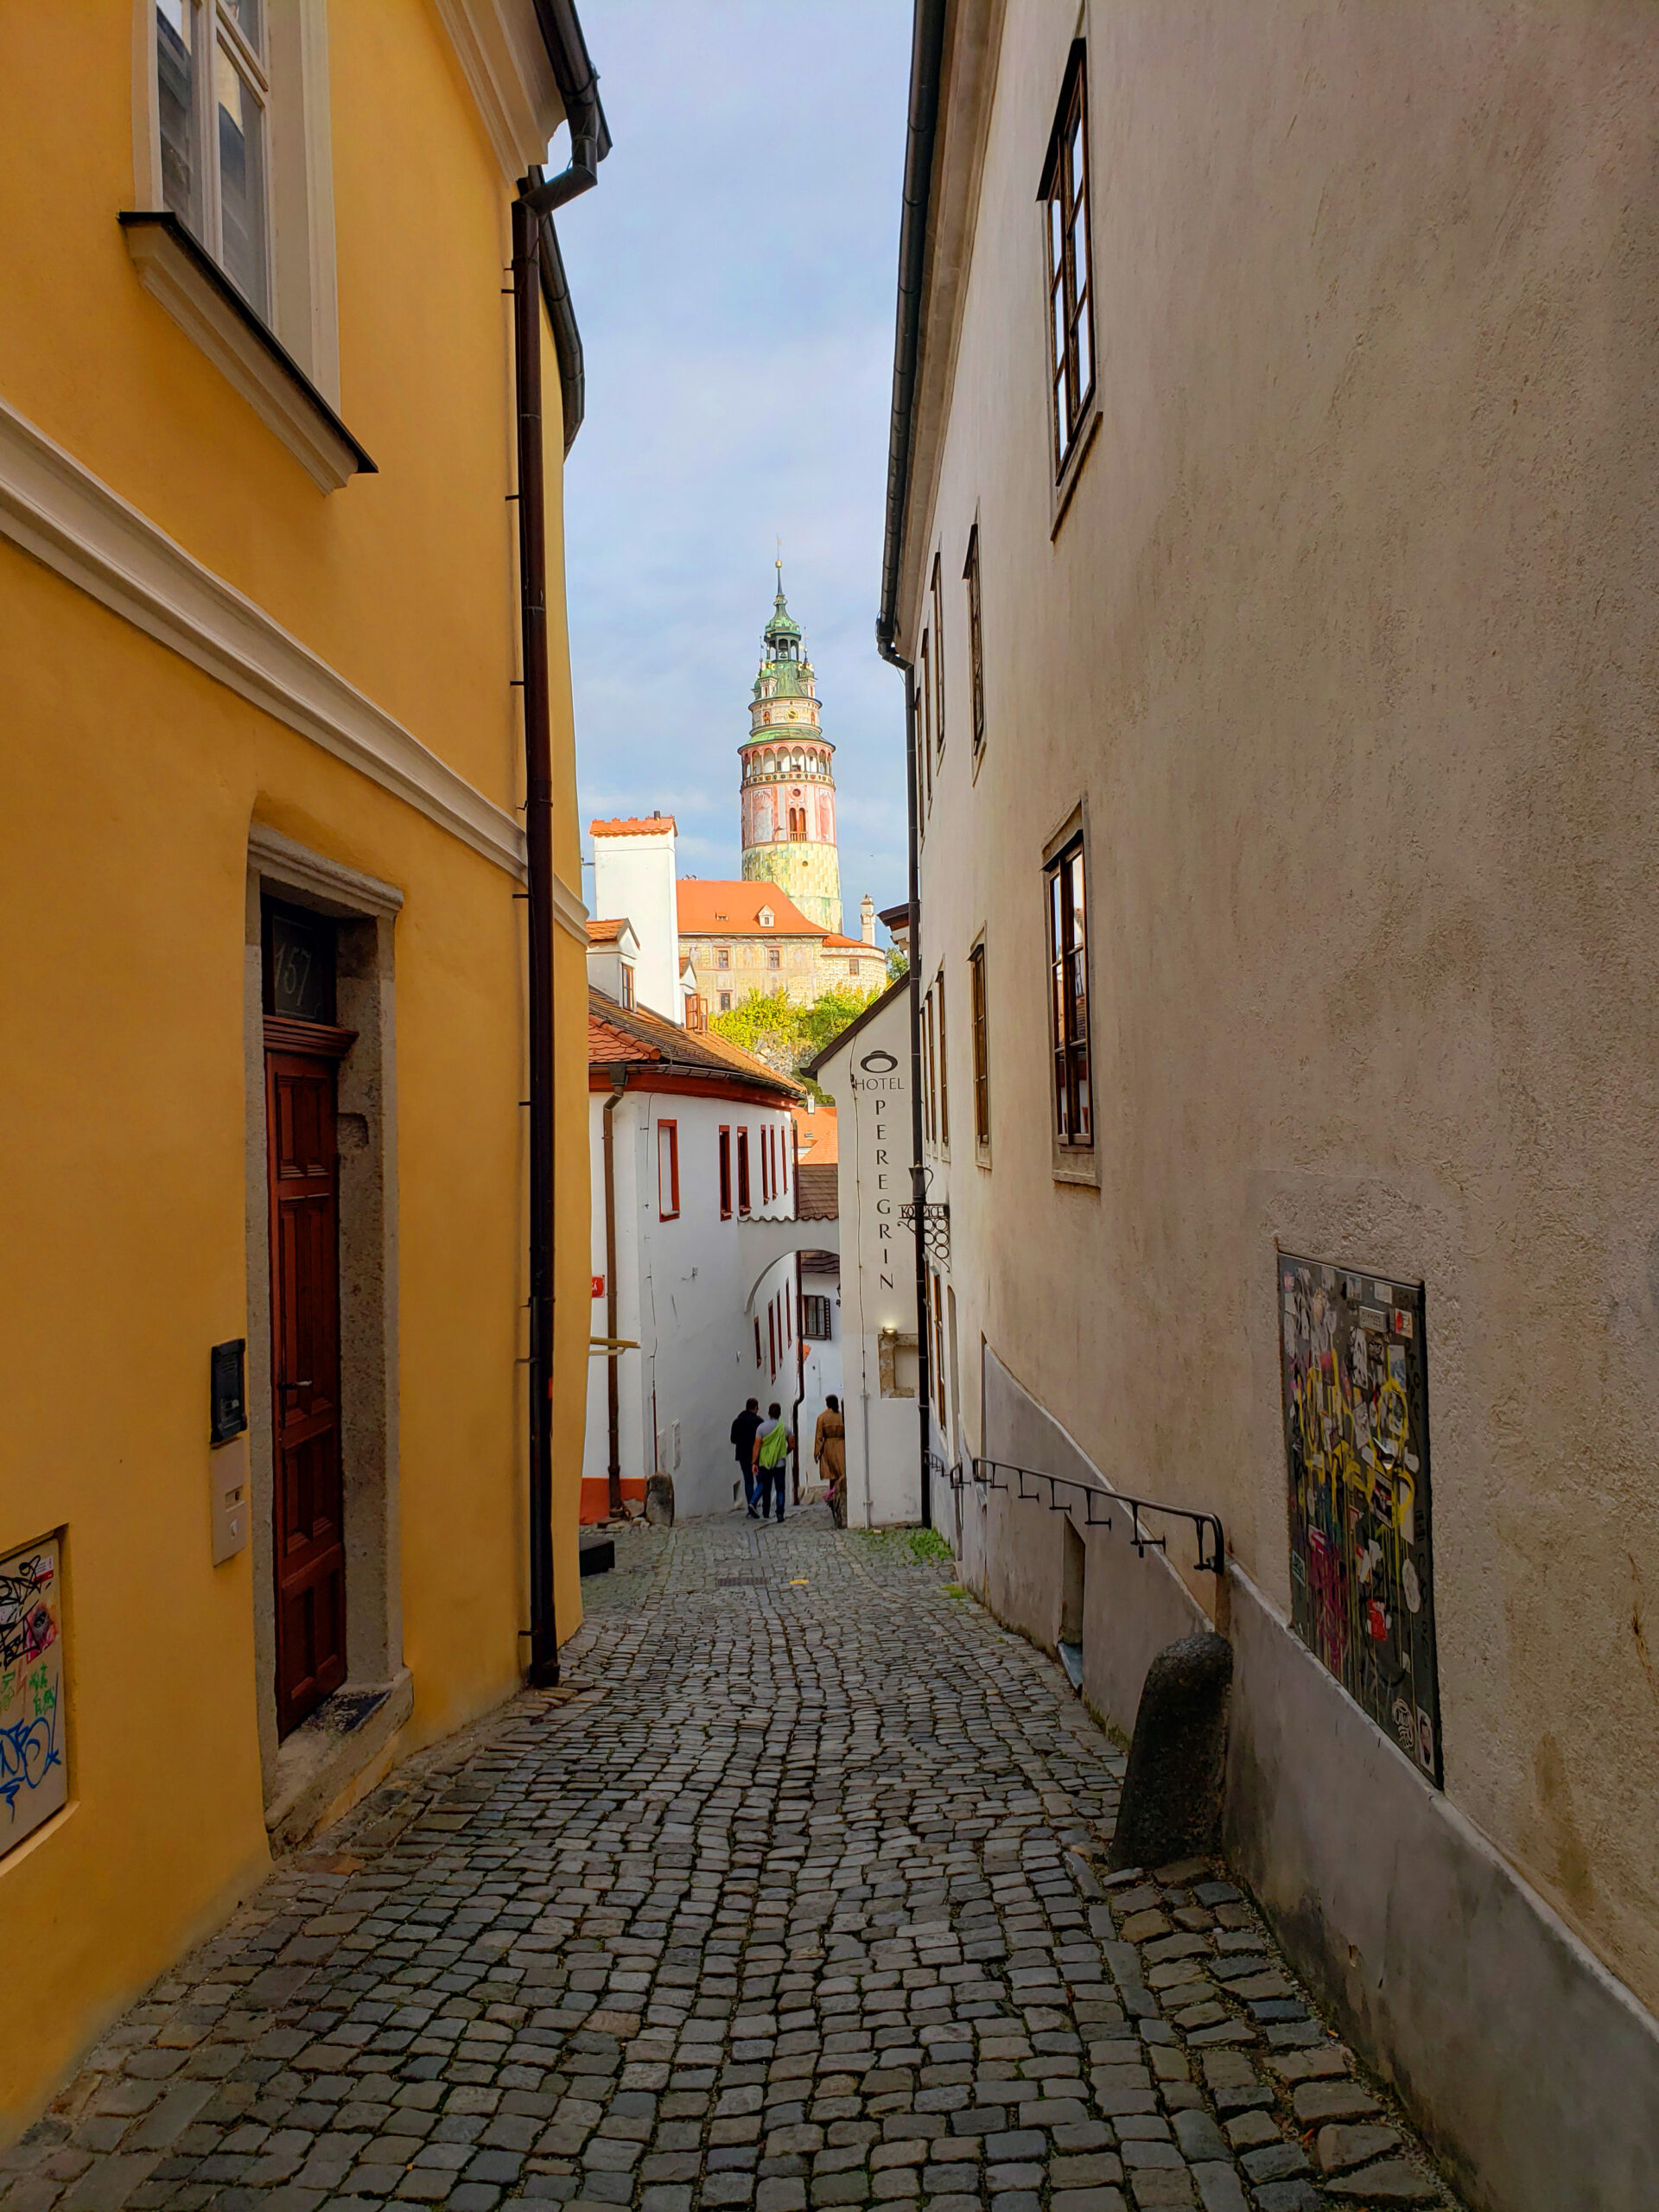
(830, 1450)
(743, 1429)
(771, 1459)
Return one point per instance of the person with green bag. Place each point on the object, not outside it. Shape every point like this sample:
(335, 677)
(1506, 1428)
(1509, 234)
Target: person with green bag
(771, 1459)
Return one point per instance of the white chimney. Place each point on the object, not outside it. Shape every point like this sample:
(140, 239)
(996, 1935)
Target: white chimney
(633, 875)
(867, 918)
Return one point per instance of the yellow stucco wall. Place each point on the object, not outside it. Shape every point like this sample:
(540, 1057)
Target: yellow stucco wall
(129, 781)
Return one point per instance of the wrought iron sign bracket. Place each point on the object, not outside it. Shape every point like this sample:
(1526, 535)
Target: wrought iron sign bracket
(933, 1217)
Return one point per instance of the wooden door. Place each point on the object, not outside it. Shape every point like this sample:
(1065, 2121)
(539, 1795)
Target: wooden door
(310, 1556)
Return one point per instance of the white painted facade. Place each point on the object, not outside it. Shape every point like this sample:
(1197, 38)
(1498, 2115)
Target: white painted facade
(866, 1072)
(683, 1296)
(633, 875)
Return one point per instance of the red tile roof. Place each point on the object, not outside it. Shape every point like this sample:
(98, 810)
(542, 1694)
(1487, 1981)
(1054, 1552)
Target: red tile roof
(635, 826)
(640, 1038)
(853, 944)
(605, 932)
(710, 909)
(817, 1135)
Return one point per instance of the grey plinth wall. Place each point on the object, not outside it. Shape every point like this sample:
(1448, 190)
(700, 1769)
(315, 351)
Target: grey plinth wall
(1531, 2069)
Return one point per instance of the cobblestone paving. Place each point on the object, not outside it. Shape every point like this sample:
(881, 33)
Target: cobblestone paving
(792, 1898)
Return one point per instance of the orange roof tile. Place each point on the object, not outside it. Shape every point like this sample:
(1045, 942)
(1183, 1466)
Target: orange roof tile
(635, 826)
(854, 944)
(816, 1134)
(605, 932)
(711, 909)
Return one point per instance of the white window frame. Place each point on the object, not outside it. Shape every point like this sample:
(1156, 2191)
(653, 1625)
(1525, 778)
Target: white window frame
(299, 183)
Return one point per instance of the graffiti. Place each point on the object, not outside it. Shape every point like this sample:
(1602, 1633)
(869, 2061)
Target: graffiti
(26, 1622)
(33, 1779)
(1353, 1361)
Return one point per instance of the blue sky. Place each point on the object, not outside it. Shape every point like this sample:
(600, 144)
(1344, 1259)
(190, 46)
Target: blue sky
(734, 278)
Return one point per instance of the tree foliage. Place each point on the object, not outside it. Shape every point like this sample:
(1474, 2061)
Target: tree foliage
(786, 1035)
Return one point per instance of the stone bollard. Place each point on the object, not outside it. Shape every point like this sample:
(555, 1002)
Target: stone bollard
(1171, 1804)
(659, 1501)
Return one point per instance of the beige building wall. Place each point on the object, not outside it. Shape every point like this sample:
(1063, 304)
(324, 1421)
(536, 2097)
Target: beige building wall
(1344, 648)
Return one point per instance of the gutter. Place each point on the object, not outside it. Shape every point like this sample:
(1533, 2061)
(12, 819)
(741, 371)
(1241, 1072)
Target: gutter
(590, 141)
(926, 53)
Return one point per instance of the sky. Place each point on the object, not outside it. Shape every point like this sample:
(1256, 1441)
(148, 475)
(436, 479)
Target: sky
(734, 278)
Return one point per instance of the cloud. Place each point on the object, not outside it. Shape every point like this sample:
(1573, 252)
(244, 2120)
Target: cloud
(734, 279)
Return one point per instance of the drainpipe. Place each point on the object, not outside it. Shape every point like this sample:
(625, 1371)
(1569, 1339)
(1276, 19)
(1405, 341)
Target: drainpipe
(613, 1470)
(543, 1668)
(926, 53)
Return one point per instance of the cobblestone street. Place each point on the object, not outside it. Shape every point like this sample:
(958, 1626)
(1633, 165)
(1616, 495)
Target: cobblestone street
(793, 1896)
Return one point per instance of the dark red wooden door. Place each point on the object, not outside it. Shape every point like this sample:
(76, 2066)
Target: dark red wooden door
(305, 1372)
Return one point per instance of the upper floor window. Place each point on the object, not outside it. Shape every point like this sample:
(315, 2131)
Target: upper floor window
(722, 955)
(975, 652)
(937, 597)
(668, 1170)
(214, 94)
(743, 1171)
(627, 984)
(944, 1069)
(726, 1174)
(1064, 192)
(981, 1046)
(1068, 969)
(774, 955)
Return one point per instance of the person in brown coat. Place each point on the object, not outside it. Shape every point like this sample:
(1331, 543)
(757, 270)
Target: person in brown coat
(830, 1450)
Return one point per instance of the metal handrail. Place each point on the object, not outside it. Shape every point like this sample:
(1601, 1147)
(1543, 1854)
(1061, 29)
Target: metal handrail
(992, 1475)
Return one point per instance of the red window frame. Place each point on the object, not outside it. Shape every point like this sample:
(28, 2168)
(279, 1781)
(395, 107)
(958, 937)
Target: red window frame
(743, 1205)
(668, 1171)
(725, 1174)
(757, 1340)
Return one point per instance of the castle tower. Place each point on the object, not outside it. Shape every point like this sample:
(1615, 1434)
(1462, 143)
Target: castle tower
(788, 792)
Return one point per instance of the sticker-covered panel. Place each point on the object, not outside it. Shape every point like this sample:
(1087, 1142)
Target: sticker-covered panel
(1354, 1364)
(33, 1767)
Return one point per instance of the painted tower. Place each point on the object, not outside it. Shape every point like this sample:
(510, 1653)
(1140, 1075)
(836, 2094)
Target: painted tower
(788, 792)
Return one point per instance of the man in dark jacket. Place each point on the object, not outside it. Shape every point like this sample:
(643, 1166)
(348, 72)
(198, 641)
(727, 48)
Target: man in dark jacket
(743, 1430)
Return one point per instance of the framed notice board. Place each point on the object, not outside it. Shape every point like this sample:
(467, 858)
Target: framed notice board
(1354, 1368)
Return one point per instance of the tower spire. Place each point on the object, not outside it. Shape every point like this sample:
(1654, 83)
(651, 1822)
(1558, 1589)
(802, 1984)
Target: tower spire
(789, 788)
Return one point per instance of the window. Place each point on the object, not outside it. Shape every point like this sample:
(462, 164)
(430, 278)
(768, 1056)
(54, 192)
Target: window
(1065, 192)
(765, 1167)
(743, 1171)
(726, 1174)
(757, 1340)
(815, 1318)
(212, 92)
(1068, 966)
(784, 1140)
(627, 984)
(771, 1335)
(936, 1303)
(697, 1010)
(938, 657)
(944, 1070)
(929, 1121)
(668, 1171)
(722, 955)
(982, 1055)
(975, 652)
(925, 719)
(774, 955)
(725, 1001)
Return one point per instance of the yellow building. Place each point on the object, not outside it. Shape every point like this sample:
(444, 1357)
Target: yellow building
(263, 758)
